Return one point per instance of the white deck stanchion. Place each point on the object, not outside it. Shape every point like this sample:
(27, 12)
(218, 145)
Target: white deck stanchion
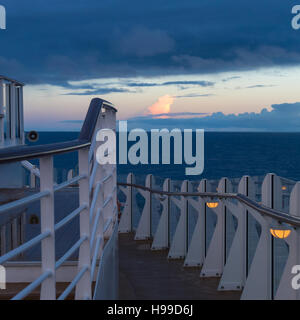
(161, 238)
(125, 225)
(143, 231)
(1, 112)
(178, 248)
(48, 289)
(234, 274)
(259, 281)
(214, 262)
(196, 251)
(83, 288)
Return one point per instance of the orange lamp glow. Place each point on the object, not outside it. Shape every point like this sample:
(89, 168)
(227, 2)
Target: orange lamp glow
(212, 205)
(280, 233)
(284, 188)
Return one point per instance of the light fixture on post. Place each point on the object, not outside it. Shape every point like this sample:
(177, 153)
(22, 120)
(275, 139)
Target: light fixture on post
(212, 205)
(281, 232)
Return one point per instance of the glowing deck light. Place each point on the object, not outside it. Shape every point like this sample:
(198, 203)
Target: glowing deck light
(284, 188)
(212, 205)
(280, 233)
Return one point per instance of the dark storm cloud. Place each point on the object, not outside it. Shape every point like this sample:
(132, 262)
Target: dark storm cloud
(97, 92)
(93, 88)
(195, 95)
(169, 115)
(58, 41)
(282, 117)
(256, 86)
(260, 86)
(142, 42)
(231, 78)
(172, 83)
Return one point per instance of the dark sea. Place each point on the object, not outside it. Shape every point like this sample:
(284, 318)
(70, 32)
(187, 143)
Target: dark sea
(227, 154)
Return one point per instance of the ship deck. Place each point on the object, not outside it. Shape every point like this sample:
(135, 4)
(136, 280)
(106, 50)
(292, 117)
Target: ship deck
(149, 275)
(143, 274)
(13, 289)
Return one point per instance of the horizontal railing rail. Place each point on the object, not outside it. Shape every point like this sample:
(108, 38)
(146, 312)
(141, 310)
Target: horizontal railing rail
(24, 201)
(73, 284)
(24, 247)
(25, 292)
(18, 83)
(275, 214)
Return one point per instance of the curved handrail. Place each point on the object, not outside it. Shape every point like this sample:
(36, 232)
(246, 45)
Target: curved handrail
(20, 153)
(17, 83)
(272, 213)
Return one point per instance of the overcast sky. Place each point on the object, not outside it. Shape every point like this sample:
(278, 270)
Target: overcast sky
(213, 59)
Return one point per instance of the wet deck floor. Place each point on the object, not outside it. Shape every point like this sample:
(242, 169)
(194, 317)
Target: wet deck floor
(149, 275)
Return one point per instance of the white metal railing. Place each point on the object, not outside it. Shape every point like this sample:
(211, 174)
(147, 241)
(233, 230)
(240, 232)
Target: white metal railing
(15, 227)
(34, 175)
(225, 230)
(97, 218)
(11, 112)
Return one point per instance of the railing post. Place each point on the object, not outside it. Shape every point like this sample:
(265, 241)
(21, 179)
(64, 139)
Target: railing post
(1, 111)
(83, 288)
(125, 225)
(215, 258)
(3, 239)
(32, 179)
(234, 274)
(48, 289)
(161, 239)
(21, 115)
(259, 284)
(108, 210)
(23, 227)
(196, 253)
(70, 174)
(13, 101)
(14, 230)
(178, 248)
(98, 176)
(110, 190)
(143, 231)
(100, 226)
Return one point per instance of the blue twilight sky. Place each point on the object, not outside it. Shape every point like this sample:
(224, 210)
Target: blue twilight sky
(213, 64)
